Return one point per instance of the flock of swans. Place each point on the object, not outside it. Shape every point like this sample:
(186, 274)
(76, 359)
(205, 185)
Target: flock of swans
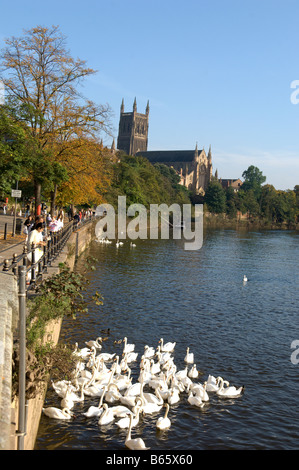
(106, 241)
(121, 400)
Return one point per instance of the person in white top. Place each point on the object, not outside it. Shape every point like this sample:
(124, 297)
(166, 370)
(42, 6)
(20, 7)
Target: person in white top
(36, 237)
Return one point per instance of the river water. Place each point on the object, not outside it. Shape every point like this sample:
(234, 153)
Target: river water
(242, 332)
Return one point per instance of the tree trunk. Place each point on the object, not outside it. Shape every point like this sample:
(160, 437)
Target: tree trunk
(53, 199)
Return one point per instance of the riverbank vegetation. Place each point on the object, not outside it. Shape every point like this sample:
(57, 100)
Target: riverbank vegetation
(254, 201)
(144, 183)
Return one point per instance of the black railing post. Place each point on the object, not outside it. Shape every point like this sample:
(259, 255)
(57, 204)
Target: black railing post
(25, 250)
(45, 256)
(33, 273)
(55, 243)
(14, 264)
(6, 265)
(5, 231)
(49, 249)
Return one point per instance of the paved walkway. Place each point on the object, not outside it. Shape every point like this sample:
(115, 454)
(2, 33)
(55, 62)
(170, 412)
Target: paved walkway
(13, 244)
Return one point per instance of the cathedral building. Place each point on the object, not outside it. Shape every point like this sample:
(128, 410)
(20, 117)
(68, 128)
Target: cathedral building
(133, 130)
(193, 166)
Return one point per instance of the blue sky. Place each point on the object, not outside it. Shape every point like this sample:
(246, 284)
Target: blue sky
(215, 72)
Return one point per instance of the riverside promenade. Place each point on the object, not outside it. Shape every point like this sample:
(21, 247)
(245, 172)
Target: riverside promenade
(78, 241)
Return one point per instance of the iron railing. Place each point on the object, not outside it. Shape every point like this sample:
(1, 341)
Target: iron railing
(55, 242)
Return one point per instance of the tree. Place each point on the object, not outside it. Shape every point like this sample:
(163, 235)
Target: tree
(251, 204)
(268, 200)
(215, 198)
(144, 183)
(285, 206)
(89, 175)
(12, 150)
(254, 179)
(231, 202)
(42, 83)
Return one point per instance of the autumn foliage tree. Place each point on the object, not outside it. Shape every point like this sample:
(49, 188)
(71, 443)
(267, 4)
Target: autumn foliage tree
(42, 82)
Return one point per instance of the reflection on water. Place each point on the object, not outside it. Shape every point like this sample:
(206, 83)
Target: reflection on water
(197, 298)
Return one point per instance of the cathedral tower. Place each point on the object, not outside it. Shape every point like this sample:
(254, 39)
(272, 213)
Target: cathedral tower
(133, 130)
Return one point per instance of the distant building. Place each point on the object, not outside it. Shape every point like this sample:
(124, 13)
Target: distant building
(193, 166)
(233, 183)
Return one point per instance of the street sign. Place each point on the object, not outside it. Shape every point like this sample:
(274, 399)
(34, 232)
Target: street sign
(16, 193)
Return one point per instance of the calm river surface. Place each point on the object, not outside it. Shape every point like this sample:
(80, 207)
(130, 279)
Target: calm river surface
(197, 298)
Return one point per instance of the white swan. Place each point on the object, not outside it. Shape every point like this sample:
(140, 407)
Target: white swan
(193, 372)
(212, 384)
(84, 353)
(70, 398)
(106, 357)
(177, 383)
(96, 344)
(61, 387)
(120, 411)
(181, 374)
(107, 416)
(96, 410)
(128, 347)
(185, 382)
(167, 347)
(131, 357)
(117, 365)
(57, 413)
(112, 395)
(195, 400)
(132, 245)
(200, 391)
(153, 398)
(149, 352)
(158, 382)
(230, 391)
(123, 382)
(174, 396)
(164, 422)
(93, 389)
(130, 400)
(125, 422)
(97, 389)
(189, 358)
(245, 278)
(149, 408)
(134, 444)
(155, 367)
(133, 390)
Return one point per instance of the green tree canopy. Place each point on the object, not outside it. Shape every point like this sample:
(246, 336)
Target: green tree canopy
(215, 198)
(144, 183)
(253, 180)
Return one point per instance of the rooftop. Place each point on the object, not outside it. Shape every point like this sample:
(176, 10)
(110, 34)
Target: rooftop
(157, 156)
